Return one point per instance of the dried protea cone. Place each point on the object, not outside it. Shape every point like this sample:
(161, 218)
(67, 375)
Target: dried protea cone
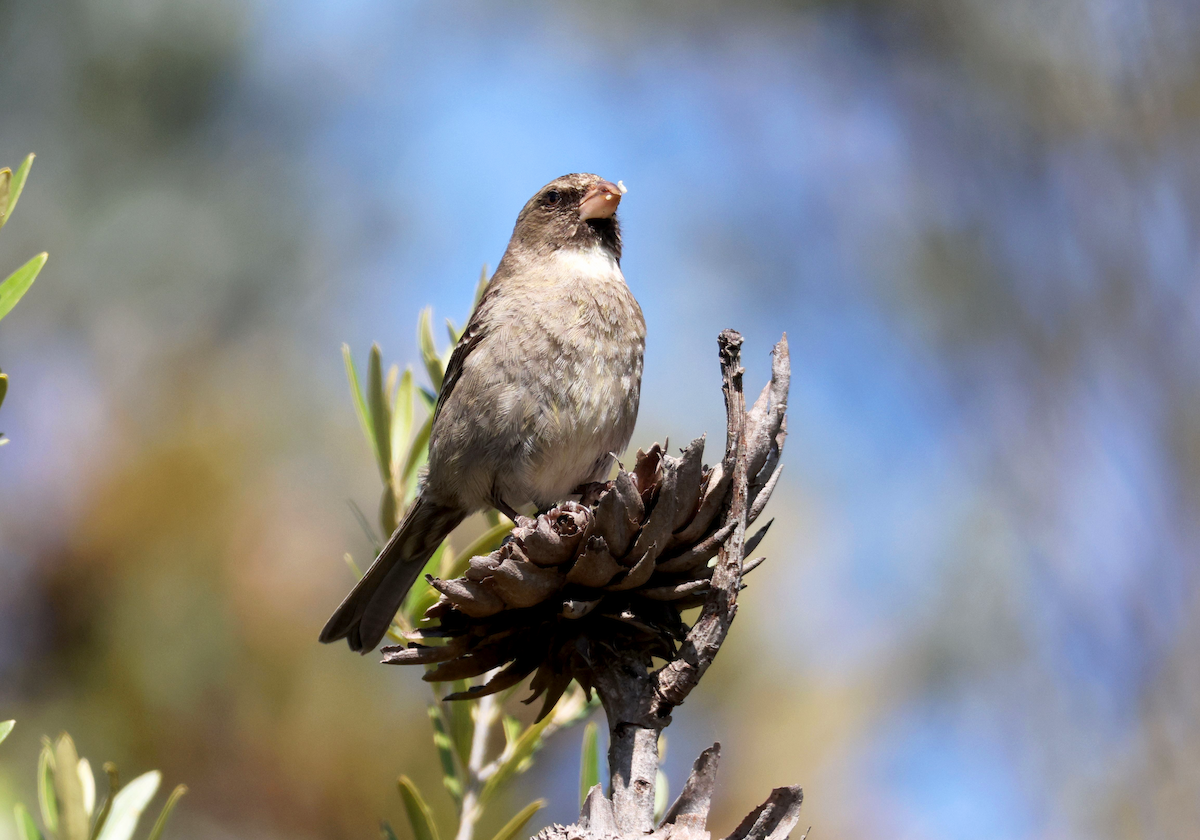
(613, 571)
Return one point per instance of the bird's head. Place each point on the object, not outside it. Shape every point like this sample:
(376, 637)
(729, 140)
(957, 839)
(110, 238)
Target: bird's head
(574, 211)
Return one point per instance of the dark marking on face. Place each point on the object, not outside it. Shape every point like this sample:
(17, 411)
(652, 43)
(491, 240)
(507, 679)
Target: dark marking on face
(550, 220)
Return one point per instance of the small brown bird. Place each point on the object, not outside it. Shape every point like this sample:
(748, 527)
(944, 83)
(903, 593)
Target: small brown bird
(541, 392)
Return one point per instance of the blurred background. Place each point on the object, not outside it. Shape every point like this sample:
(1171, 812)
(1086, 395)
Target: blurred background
(976, 220)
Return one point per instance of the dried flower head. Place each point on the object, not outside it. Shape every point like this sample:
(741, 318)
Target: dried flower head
(616, 569)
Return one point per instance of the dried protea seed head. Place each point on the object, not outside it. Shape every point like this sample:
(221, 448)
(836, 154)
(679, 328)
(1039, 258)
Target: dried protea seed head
(616, 569)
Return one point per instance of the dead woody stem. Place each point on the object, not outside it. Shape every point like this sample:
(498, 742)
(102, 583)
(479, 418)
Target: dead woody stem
(639, 700)
(595, 591)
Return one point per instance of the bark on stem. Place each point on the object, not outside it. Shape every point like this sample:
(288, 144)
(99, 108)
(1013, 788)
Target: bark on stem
(638, 702)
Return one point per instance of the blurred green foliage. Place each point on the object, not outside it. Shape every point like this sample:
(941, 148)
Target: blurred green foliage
(17, 283)
(66, 789)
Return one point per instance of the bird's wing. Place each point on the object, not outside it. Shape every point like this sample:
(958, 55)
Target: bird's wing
(469, 340)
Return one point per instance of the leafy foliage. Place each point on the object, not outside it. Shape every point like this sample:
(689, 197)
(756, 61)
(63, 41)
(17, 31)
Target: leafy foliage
(67, 798)
(589, 761)
(17, 283)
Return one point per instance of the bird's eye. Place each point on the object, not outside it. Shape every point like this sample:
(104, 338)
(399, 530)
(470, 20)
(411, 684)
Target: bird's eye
(553, 197)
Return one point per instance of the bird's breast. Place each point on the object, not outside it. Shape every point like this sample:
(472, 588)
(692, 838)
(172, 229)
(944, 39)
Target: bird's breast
(593, 381)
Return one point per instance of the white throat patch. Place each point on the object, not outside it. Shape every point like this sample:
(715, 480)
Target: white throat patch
(595, 263)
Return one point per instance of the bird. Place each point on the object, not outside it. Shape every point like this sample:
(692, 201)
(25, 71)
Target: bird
(539, 397)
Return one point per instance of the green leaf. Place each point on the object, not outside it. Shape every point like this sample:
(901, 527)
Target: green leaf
(661, 791)
(26, 828)
(360, 402)
(5, 183)
(47, 800)
(88, 782)
(402, 416)
(18, 283)
(6, 726)
(512, 729)
(445, 747)
(389, 516)
(73, 818)
(429, 353)
(419, 815)
(389, 384)
(381, 420)
(589, 762)
(514, 826)
(418, 455)
(128, 805)
(481, 287)
(429, 398)
(161, 823)
(462, 722)
(386, 832)
(526, 745)
(15, 186)
(3, 391)
(421, 598)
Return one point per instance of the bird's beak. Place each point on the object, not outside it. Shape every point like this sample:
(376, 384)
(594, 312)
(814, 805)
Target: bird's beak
(601, 200)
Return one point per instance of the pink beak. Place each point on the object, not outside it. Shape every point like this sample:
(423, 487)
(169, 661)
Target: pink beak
(601, 201)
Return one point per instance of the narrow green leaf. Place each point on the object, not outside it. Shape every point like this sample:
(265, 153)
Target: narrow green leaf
(5, 183)
(402, 419)
(418, 455)
(360, 402)
(661, 792)
(454, 332)
(389, 384)
(73, 818)
(381, 420)
(6, 726)
(15, 187)
(514, 826)
(128, 805)
(428, 398)
(26, 828)
(448, 564)
(18, 283)
(429, 353)
(421, 598)
(445, 747)
(419, 815)
(524, 748)
(88, 782)
(512, 730)
(161, 823)
(389, 515)
(589, 761)
(482, 285)
(47, 800)
(386, 832)
(3, 392)
(462, 723)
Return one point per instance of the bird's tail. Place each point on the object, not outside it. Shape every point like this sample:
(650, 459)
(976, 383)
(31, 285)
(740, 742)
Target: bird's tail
(367, 612)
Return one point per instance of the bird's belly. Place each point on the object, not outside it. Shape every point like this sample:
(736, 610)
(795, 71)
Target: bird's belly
(589, 422)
